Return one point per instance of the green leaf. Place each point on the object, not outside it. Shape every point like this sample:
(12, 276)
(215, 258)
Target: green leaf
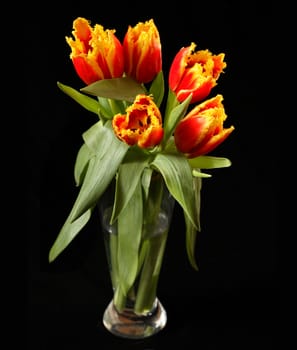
(177, 174)
(69, 230)
(85, 101)
(209, 162)
(118, 106)
(101, 169)
(81, 163)
(191, 234)
(96, 136)
(105, 110)
(116, 88)
(99, 174)
(128, 177)
(146, 180)
(197, 173)
(177, 112)
(191, 231)
(157, 88)
(129, 238)
(197, 185)
(171, 102)
(152, 204)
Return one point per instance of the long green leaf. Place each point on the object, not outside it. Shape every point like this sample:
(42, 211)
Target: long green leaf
(157, 89)
(94, 144)
(116, 88)
(145, 181)
(96, 137)
(81, 163)
(101, 170)
(129, 238)
(191, 231)
(177, 174)
(209, 162)
(69, 230)
(152, 204)
(85, 101)
(128, 177)
(174, 116)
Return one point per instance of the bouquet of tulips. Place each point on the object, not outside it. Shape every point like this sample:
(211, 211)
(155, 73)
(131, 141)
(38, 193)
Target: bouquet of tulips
(137, 132)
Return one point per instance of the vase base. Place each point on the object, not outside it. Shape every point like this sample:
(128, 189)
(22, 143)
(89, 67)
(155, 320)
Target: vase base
(129, 325)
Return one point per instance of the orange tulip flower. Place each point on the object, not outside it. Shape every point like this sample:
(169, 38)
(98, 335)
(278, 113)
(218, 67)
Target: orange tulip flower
(142, 52)
(195, 73)
(142, 125)
(96, 53)
(202, 130)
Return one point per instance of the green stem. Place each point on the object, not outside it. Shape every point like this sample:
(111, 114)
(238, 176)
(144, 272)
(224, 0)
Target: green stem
(146, 293)
(119, 299)
(113, 251)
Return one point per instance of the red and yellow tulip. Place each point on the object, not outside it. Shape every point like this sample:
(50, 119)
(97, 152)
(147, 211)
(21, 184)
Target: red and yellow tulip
(202, 130)
(96, 53)
(142, 52)
(195, 73)
(142, 125)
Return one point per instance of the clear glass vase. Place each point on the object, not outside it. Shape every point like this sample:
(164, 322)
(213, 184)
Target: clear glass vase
(138, 313)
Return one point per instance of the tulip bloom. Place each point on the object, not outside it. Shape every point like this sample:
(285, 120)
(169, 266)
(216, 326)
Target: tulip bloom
(202, 129)
(142, 52)
(195, 73)
(142, 125)
(96, 53)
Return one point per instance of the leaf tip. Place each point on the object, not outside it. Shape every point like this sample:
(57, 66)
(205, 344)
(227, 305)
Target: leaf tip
(51, 256)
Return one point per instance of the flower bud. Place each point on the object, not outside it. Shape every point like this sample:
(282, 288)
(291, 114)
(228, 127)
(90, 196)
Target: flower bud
(142, 125)
(195, 73)
(96, 53)
(202, 129)
(142, 52)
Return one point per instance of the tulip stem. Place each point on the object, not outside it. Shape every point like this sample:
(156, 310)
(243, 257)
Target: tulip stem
(146, 293)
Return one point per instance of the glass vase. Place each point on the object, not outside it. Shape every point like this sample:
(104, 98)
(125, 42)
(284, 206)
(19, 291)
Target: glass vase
(138, 313)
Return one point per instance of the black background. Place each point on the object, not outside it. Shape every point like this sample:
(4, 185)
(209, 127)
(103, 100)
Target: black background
(233, 301)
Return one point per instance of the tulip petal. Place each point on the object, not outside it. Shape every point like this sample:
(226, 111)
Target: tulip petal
(202, 129)
(96, 53)
(142, 125)
(178, 66)
(213, 143)
(195, 73)
(142, 51)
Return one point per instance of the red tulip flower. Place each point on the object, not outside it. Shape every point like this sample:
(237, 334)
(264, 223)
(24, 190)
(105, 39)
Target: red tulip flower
(142, 52)
(96, 53)
(202, 129)
(195, 73)
(142, 125)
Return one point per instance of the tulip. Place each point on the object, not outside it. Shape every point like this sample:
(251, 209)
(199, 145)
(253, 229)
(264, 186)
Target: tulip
(195, 73)
(142, 52)
(142, 125)
(201, 131)
(96, 53)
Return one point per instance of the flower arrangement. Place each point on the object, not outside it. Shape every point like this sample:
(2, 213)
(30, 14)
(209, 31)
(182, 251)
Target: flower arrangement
(138, 135)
